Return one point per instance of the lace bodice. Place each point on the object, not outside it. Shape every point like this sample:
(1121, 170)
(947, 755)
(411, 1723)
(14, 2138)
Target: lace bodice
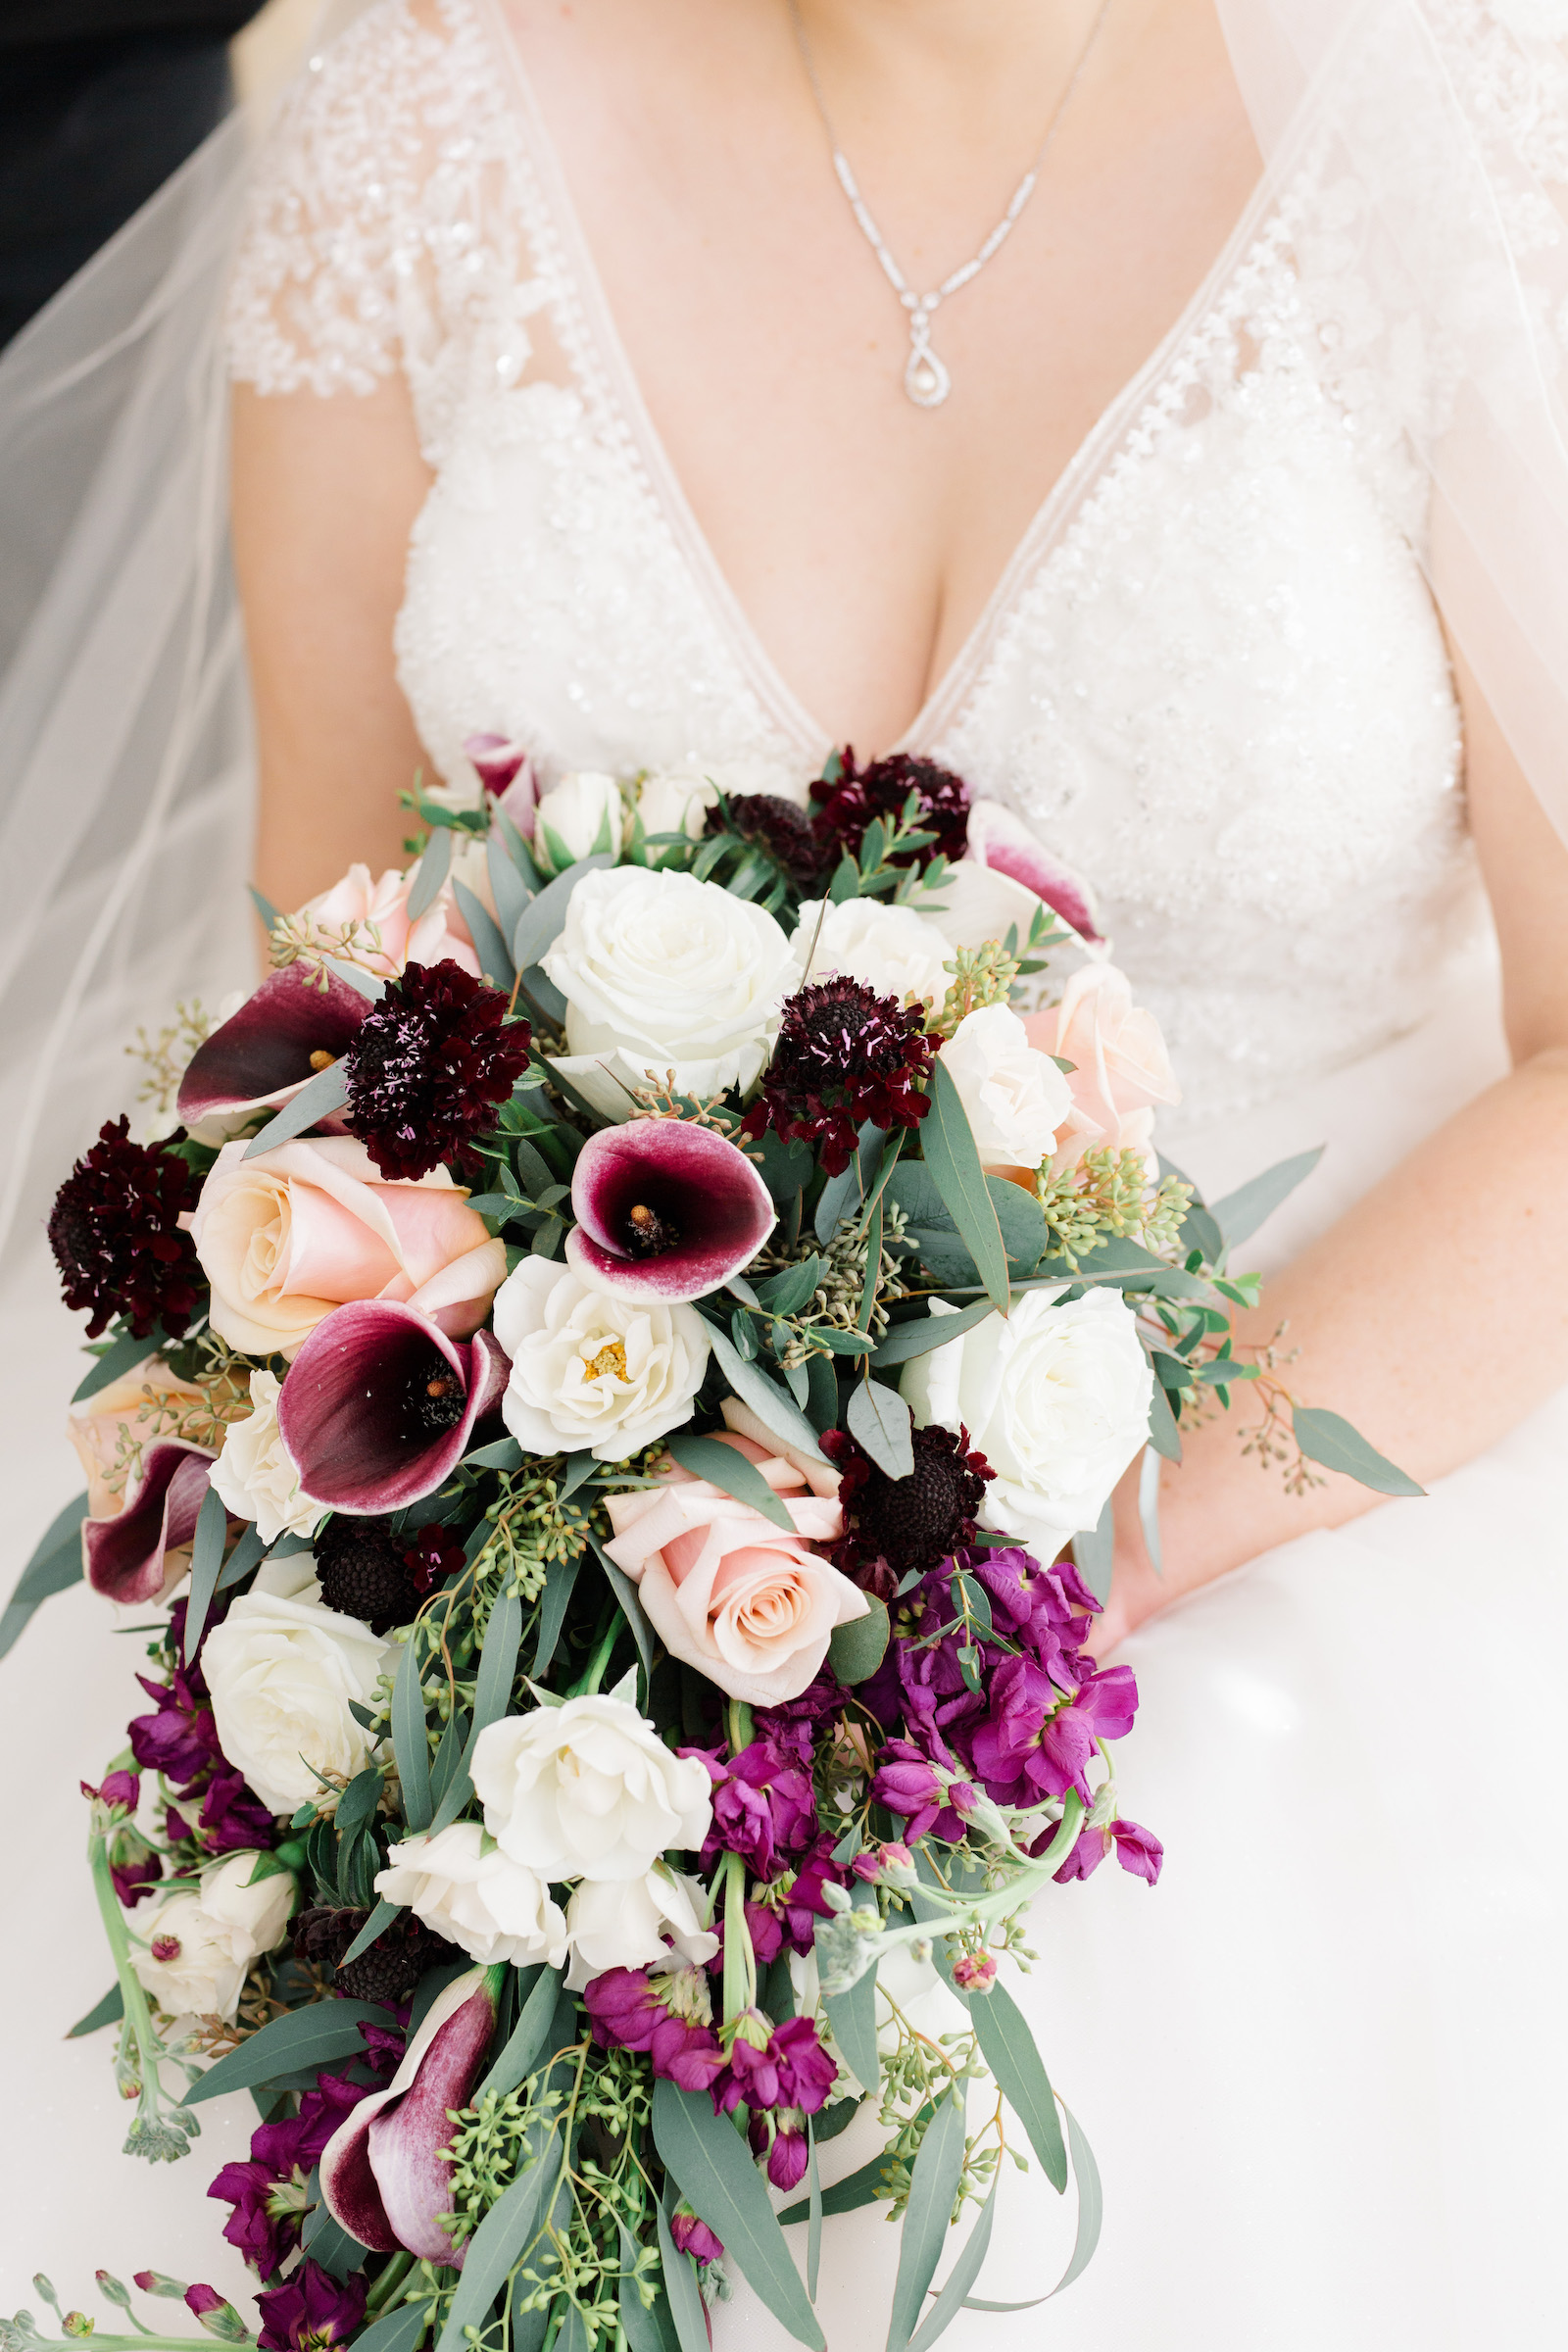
(1211, 677)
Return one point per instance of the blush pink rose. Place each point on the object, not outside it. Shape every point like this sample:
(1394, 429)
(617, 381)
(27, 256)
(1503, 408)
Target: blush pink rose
(1120, 1066)
(286, 1236)
(371, 922)
(727, 1590)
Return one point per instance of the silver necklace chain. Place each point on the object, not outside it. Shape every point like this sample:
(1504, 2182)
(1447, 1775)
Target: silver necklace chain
(927, 378)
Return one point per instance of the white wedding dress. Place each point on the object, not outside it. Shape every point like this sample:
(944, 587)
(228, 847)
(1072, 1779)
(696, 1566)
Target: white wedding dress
(1323, 2066)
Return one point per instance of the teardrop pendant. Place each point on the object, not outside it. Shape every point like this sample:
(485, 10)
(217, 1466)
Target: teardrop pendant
(925, 378)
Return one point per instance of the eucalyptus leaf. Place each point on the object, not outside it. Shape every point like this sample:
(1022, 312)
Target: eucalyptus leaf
(540, 924)
(1163, 1435)
(1018, 2070)
(560, 1577)
(434, 867)
(842, 1195)
(55, 1563)
(263, 905)
(933, 2186)
(502, 2238)
(1094, 1550)
(948, 1146)
(857, 1649)
(1328, 1438)
(525, 2045)
(879, 1419)
(727, 1468)
(813, 2200)
(963, 2275)
(375, 1928)
(316, 1100)
(409, 1744)
(1149, 1511)
(681, 2285)
(489, 946)
(713, 2167)
(395, 2330)
(922, 1333)
(508, 886)
(631, 1608)
(1240, 1214)
(821, 1394)
(206, 1559)
(245, 1555)
(852, 2018)
(106, 2012)
(298, 2039)
(767, 1401)
(120, 1358)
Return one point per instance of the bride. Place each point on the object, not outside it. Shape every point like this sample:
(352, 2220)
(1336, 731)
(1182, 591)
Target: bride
(609, 377)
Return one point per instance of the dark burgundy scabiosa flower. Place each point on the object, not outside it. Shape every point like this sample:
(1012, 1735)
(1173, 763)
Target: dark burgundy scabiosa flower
(843, 810)
(116, 1234)
(782, 832)
(427, 1066)
(893, 1525)
(844, 1056)
(366, 1570)
(312, 2312)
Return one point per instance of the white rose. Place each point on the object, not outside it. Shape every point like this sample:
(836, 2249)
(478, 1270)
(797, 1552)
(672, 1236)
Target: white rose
(1014, 1098)
(588, 1790)
(253, 1476)
(980, 902)
(591, 1368)
(283, 1672)
(629, 1922)
(1056, 1398)
(579, 815)
(736, 778)
(677, 801)
(663, 972)
(463, 1885)
(198, 1942)
(892, 949)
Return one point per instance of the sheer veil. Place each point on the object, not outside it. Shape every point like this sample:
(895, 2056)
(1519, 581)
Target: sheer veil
(1440, 126)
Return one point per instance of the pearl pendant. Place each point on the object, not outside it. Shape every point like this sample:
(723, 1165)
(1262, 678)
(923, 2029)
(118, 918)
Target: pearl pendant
(925, 378)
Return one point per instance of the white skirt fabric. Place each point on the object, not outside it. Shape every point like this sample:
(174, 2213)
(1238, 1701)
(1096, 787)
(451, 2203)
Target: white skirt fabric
(1323, 2066)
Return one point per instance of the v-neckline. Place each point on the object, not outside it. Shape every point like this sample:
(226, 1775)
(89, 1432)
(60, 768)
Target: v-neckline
(624, 408)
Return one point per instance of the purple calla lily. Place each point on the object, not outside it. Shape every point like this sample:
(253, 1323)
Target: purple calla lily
(380, 1404)
(506, 771)
(124, 1556)
(1004, 843)
(666, 1210)
(283, 1036)
(382, 2176)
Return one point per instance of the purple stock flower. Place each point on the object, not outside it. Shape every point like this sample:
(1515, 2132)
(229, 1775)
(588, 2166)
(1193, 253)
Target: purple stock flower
(907, 1783)
(232, 1818)
(693, 2235)
(379, 1406)
(311, 2311)
(268, 2192)
(764, 1809)
(780, 2136)
(1138, 1850)
(1032, 1745)
(787, 2068)
(180, 1741)
(669, 2016)
(136, 1875)
(666, 1210)
(793, 1725)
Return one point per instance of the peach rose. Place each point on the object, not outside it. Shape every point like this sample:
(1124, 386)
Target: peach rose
(727, 1590)
(286, 1236)
(1121, 1068)
(357, 907)
(115, 1428)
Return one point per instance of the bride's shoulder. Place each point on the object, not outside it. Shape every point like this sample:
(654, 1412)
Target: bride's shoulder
(386, 168)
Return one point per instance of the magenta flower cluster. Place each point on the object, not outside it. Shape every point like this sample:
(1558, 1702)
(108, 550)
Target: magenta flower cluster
(264, 2225)
(766, 2067)
(179, 1739)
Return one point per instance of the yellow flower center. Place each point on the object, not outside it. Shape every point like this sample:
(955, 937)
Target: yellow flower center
(611, 1358)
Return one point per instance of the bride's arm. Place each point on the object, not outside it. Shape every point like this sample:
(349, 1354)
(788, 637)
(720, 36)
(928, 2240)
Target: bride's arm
(326, 493)
(1434, 1314)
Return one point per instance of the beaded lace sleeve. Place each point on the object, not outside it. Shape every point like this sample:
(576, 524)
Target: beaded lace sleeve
(383, 230)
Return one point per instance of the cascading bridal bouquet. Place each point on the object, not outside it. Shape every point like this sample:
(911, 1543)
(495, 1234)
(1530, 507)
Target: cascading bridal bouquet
(624, 1363)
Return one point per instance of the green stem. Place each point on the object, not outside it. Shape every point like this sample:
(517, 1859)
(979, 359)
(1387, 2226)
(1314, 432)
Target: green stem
(594, 1673)
(138, 2017)
(739, 1961)
(392, 2278)
(739, 1726)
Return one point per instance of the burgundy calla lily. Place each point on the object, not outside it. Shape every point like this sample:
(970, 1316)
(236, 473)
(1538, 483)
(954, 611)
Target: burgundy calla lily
(284, 1035)
(124, 1556)
(666, 1210)
(504, 769)
(1004, 842)
(382, 2176)
(380, 1404)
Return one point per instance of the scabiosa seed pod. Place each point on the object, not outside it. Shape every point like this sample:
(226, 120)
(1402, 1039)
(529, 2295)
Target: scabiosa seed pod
(845, 1054)
(116, 1234)
(782, 832)
(428, 1067)
(368, 1572)
(843, 809)
(897, 1524)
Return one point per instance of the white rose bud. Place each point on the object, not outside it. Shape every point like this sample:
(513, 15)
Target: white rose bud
(283, 1673)
(592, 1368)
(588, 1790)
(463, 1885)
(579, 815)
(1014, 1098)
(675, 802)
(199, 1941)
(891, 948)
(661, 972)
(253, 1475)
(1055, 1396)
(630, 1923)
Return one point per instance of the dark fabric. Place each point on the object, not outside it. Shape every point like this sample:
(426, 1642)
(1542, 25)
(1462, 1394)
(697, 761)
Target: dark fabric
(88, 131)
(35, 20)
